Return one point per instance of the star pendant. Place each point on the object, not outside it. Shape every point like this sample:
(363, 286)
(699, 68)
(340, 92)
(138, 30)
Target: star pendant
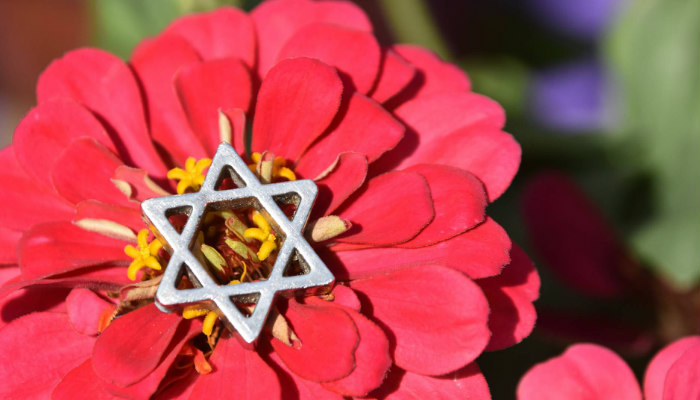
(249, 193)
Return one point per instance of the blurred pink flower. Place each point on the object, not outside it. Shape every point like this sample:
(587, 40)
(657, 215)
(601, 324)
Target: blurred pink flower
(591, 372)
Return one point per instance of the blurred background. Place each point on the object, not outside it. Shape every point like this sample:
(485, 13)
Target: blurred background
(604, 97)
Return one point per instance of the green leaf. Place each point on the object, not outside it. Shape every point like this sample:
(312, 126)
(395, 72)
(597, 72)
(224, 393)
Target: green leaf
(656, 51)
(121, 24)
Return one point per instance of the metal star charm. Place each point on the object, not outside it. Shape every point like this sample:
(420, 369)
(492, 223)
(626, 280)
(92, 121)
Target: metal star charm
(250, 193)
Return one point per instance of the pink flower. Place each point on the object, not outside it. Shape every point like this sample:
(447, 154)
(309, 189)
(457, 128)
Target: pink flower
(587, 371)
(406, 158)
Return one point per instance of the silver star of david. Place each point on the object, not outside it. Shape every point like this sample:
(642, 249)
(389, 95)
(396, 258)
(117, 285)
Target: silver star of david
(250, 193)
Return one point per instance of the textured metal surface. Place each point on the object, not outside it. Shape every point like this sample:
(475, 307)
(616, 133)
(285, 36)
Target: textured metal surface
(250, 193)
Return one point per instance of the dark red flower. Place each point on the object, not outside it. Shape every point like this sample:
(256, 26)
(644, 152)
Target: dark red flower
(406, 158)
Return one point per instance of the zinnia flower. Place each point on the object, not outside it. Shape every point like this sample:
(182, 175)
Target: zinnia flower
(588, 371)
(406, 159)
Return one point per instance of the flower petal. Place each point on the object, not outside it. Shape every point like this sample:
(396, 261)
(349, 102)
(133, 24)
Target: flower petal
(206, 88)
(486, 247)
(683, 378)
(106, 86)
(30, 300)
(93, 209)
(141, 186)
(26, 202)
(277, 21)
(347, 176)
(362, 115)
(293, 385)
(396, 73)
(84, 310)
(572, 236)
(510, 295)
(297, 101)
(132, 345)
(146, 387)
(658, 373)
(583, 372)
(8, 245)
(437, 327)
(81, 383)
(433, 75)
(459, 201)
(404, 385)
(492, 155)
(328, 339)
(372, 360)
(84, 171)
(354, 53)
(380, 213)
(223, 33)
(48, 128)
(247, 376)
(39, 349)
(156, 62)
(58, 247)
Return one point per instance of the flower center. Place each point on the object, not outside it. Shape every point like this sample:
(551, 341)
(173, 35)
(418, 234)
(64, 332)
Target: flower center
(192, 177)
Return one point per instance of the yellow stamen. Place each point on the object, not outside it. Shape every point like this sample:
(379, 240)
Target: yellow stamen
(279, 169)
(194, 311)
(262, 233)
(237, 281)
(146, 255)
(209, 321)
(192, 177)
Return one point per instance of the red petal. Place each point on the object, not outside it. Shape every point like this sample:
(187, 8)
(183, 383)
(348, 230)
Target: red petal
(492, 155)
(30, 300)
(84, 171)
(583, 372)
(396, 73)
(372, 360)
(128, 216)
(296, 102)
(438, 326)
(81, 383)
(510, 296)
(459, 201)
(226, 32)
(277, 21)
(132, 345)
(342, 296)
(658, 372)
(58, 247)
(364, 127)
(28, 203)
(433, 74)
(393, 208)
(683, 378)
(155, 63)
(146, 387)
(328, 339)
(48, 128)
(347, 176)
(8, 245)
(38, 350)
(293, 384)
(486, 249)
(105, 85)
(572, 236)
(466, 383)
(206, 88)
(245, 374)
(84, 310)
(355, 53)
